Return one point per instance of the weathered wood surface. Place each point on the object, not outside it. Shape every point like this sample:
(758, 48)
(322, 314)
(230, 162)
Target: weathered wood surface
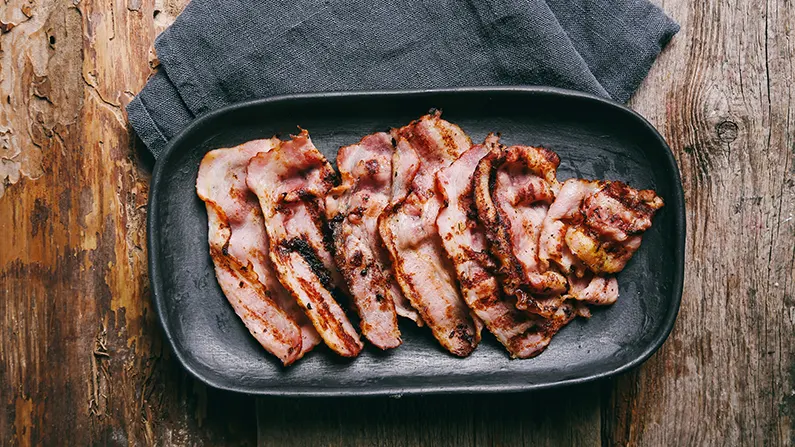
(567, 417)
(82, 360)
(723, 97)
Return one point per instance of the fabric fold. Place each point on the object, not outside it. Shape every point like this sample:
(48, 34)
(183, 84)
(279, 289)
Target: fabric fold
(158, 113)
(616, 32)
(221, 52)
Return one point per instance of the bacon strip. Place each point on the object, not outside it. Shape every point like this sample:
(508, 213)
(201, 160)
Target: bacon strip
(596, 226)
(613, 219)
(593, 289)
(352, 210)
(513, 189)
(464, 239)
(408, 228)
(562, 316)
(566, 208)
(404, 167)
(402, 305)
(291, 182)
(239, 247)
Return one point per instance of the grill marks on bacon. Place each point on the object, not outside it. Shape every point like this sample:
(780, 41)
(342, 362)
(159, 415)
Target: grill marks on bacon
(352, 210)
(239, 249)
(613, 218)
(464, 240)
(291, 183)
(526, 252)
(513, 187)
(592, 230)
(593, 289)
(408, 229)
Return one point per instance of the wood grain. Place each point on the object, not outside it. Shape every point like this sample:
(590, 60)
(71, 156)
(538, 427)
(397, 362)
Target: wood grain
(723, 97)
(82, 360)
(568, 417)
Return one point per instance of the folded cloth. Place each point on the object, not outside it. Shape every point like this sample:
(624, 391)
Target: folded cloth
(219, 52)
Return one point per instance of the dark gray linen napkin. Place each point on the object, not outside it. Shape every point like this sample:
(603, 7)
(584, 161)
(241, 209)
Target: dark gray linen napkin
(221, 52)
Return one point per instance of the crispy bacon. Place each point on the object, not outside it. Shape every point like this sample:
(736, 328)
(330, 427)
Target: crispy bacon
(615, 216)
(566, 208)
(464, 239)
(562, 316)
(422, 225)
(404, 167)
(352, 210)
(408, 228)
(239, 249)
(596, 224)
(513, 188)
(291, 182)
(593, 289)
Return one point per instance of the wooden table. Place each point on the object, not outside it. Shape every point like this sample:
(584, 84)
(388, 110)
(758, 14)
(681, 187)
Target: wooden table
(83, 361)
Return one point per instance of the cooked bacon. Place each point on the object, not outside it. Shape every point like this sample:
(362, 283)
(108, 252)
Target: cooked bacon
(538, 338)
(566, 208)
(352, 210)
(596, 223)
(291, 182)
(593, 289)
(405, 164)
(404, 167)
(239, 249)
(617, 212)
(402, 305)
(408, 228)
(563, 315)
(464, 239)
(583, 285)
(513, 188)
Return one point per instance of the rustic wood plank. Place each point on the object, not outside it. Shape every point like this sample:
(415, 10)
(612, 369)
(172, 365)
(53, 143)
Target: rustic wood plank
(723, 97)
(563, 417)
(82, 360)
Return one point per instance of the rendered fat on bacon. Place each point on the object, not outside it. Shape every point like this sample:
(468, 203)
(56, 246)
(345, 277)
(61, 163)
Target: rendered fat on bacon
(352, 210)
(408, 229)
(291, 183)
(464, 240)
(239, 248)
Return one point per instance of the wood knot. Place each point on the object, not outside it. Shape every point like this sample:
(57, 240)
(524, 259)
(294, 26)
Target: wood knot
(39, 216)
(727, 131)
